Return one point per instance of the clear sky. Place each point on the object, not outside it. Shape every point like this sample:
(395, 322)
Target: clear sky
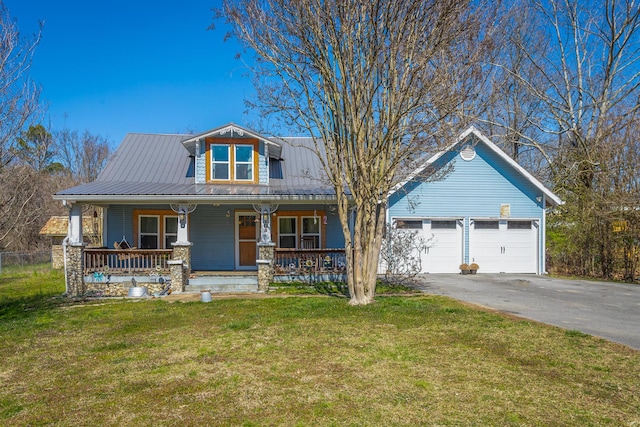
(118, 66)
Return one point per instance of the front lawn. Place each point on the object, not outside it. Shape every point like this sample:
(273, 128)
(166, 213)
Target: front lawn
(404, 361)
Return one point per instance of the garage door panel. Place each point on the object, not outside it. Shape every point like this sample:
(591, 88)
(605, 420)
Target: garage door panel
(444, 252)
(505, 246)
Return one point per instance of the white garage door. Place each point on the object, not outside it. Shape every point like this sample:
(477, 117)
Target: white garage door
(504, 246)
(443, 253)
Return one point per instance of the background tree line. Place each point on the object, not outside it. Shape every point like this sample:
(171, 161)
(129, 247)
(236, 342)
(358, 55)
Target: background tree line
(35, 161)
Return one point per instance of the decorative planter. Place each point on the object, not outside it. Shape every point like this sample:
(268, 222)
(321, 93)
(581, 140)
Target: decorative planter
(465, 272)
(473, 271)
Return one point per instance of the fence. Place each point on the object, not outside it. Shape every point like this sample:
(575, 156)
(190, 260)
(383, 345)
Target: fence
(21, 259)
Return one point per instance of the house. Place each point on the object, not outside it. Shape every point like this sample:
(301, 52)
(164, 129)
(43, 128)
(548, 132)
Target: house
(235, 204)
(57, 227)
(486, 210)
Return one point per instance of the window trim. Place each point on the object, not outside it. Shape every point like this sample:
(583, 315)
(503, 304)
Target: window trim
(162, 214)
(275, 226)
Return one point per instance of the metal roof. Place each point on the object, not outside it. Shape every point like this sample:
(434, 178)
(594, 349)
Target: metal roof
(149, 158)
(158, 168)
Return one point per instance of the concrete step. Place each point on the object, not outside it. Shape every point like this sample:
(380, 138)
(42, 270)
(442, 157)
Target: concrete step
(223, 284)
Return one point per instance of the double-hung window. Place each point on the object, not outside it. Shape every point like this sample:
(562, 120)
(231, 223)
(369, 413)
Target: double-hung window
(170, 230)
(287, 232)
(220, 162)
(149, 231)
(310, 232)
(243, 162)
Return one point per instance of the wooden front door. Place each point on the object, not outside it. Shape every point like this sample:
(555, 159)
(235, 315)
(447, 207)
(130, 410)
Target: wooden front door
(247, 232)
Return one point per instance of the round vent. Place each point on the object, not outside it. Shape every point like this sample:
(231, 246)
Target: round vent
(468, 153)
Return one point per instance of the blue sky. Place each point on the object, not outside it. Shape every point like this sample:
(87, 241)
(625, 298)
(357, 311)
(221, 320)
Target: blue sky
(115, 66)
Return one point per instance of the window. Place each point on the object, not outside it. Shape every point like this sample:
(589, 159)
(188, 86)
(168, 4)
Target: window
(310, 237)
(443, 225)
(232, 160)
(406, 224)
(244, 162)
(220, 161)
(486, 225)
(287, 232)
(519, 225)
(149, 231)
(170, 230)
(299, 229)
(155, 228)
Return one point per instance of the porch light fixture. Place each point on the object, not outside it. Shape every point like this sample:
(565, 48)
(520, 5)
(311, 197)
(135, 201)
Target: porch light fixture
(182, 217)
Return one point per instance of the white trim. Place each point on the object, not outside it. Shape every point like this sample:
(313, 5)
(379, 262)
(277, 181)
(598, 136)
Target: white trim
(229, 128)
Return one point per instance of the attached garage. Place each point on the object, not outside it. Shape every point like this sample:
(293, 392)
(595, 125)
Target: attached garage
(484, 208)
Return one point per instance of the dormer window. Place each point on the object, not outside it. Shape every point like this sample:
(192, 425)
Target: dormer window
(232, 160)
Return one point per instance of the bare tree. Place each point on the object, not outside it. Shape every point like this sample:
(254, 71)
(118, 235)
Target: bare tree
(18, 94)
(580, 72)
(375, 81)
(82, 155)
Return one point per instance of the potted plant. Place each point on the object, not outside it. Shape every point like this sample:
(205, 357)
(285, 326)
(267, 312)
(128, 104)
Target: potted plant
(473, 268)
(464, 268)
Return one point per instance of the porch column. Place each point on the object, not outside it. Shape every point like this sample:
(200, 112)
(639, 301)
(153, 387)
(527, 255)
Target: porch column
(182, 245)
(74, 252)
(265, 218)
(182, 252)
(265, 265)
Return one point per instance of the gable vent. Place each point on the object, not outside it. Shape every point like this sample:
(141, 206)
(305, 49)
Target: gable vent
(468, 153)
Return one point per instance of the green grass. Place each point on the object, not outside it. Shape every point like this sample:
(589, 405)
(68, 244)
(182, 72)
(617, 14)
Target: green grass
(403, 361)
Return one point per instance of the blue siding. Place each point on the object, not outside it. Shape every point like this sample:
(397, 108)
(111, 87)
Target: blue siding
(263, 165)
(212, 234)
(475, 188)
(119, 224)
(335, 238)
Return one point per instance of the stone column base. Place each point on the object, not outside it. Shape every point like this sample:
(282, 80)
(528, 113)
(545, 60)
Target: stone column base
(74, 270)
(179, 278)
(182, 251)
(266, 252)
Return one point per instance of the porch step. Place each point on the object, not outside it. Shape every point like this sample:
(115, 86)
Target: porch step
(223, 284)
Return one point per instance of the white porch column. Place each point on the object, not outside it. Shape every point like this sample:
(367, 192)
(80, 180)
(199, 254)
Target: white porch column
(183, 224)
(75, 223)
(265, 218)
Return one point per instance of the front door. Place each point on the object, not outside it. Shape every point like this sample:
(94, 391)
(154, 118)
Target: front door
(247, 232)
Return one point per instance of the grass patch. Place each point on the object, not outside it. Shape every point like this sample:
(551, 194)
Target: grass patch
(335, 288)
(403, 361)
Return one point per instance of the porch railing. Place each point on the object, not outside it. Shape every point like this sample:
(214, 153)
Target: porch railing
(305, 261)
(126, 261)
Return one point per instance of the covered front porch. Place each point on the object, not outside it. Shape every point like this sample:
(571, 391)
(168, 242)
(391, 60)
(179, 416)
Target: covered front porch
(244, 240)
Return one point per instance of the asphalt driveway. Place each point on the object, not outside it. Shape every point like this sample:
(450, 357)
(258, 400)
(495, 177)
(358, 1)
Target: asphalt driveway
(604, 309)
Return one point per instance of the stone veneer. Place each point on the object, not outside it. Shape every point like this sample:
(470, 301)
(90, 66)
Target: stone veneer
(57, 256)
(121, 289)
(75, 270)
(179, 275)
(182, 251)
(266, 253)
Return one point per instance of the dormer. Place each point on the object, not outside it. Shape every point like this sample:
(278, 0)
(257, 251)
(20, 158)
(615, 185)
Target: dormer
(232, 155)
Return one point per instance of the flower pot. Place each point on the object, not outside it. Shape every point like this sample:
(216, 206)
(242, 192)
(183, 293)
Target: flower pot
(473, 271)
(464, 272)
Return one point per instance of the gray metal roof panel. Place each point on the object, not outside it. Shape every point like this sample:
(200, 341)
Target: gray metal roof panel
(149, 158)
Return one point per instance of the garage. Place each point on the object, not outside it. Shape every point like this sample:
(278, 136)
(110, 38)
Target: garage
(444, 251)
(504, 245)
